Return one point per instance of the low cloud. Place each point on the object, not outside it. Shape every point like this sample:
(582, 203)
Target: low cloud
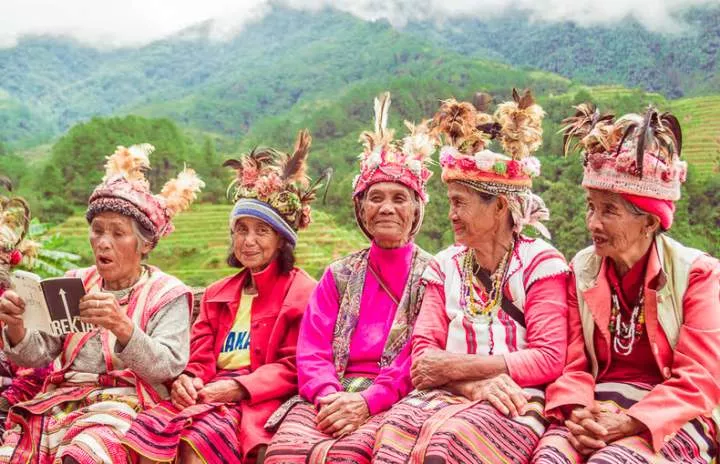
(113, 23)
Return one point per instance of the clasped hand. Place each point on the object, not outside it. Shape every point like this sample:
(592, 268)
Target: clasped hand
(592, 428)
(187, 391)
(341, 413)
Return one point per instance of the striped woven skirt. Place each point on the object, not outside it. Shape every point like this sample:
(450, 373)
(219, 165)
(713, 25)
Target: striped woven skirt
(299, 441)
(211, 430)
(695, 443)
(84, 423)
(439, 427)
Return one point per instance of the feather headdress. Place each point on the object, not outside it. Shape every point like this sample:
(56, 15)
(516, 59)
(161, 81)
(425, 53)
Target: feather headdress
(637, 153)
(385, 159)
(279, 180)
(125, 190)
(467, 132)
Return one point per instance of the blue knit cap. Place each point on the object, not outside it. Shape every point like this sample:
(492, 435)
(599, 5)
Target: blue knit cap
(266, 213)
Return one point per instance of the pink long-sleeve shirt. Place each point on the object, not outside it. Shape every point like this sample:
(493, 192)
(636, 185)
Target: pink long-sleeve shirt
(317, 376)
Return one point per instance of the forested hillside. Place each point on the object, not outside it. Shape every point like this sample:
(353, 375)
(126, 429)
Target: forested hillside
(292, 57)
(674, 64)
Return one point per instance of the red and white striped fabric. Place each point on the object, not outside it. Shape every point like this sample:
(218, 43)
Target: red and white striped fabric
(531, 260)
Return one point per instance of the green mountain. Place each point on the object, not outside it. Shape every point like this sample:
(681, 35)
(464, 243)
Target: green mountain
(292, 58)
(626, 53)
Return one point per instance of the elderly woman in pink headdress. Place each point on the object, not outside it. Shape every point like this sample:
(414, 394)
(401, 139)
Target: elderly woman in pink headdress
(492, 329)
(353, 351)
(102, 378)
(641, 380)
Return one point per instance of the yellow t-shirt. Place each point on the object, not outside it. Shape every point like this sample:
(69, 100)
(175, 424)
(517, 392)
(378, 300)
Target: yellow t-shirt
(235, 352)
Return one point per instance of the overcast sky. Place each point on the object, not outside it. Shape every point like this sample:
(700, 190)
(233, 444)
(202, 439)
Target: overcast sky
(136, 22)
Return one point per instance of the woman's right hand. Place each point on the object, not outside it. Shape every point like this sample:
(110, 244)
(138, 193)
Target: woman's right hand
(184, 391)
(12, 308)
(502, 392)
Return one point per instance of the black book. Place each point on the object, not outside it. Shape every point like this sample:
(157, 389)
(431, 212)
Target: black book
(51, 305)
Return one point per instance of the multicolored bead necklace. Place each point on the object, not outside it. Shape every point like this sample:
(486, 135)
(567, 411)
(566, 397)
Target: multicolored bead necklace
(626, 334)
(492, 297)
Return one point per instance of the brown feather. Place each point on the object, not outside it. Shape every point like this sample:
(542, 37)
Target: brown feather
(587, 119)
(295, 168)
(527, 100)
(233, 164)
(456, 120)
(645, 135)
(672, 124)
(6, 182)
(482, 101)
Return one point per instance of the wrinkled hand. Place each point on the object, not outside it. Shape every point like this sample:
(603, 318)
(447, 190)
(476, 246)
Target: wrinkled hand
(341, 413)
(431, 369)
(503, 393)
(586, 433)
(470, 389)
(222, 391)
(184, 391)
(618, 424)
(103, 310)
(12, 308)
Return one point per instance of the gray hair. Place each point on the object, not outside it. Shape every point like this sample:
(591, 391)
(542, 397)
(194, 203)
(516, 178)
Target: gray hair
(143, 237)
(635, 211)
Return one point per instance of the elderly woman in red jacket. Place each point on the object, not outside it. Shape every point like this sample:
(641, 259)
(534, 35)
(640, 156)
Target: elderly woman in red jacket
(242, 362)
(641, 380)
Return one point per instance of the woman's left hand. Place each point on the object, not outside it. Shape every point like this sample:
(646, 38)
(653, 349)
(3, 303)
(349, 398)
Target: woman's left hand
(430, 370)
(222, 391)
(618, 424)
(103, 310)
(341, 413)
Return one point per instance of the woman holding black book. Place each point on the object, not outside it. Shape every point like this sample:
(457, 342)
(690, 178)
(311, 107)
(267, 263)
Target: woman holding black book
(103, 377)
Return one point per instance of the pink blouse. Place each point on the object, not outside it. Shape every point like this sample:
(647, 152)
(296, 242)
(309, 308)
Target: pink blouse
(317, 376)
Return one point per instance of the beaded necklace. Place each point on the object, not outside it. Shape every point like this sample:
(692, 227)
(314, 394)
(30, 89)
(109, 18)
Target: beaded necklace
(492, 297)
(626, 334)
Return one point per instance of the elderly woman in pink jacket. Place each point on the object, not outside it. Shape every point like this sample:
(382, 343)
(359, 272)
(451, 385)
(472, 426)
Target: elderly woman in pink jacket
(641, 382)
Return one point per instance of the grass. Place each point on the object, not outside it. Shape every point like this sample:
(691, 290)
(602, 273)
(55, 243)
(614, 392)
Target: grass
(196, 251)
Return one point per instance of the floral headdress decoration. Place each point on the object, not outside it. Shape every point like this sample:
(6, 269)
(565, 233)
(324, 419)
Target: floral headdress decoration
(467, 132)
(14, 226)
(125, 190)
(274, 186)
(387, 160)
(635, 154)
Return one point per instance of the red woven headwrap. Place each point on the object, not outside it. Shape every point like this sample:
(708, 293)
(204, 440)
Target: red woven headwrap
(663, 209)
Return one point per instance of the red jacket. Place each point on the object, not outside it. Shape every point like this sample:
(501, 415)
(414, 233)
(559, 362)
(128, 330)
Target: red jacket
(274, 325)
(691, 370)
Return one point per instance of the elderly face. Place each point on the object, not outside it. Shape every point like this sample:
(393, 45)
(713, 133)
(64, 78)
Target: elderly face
(388, 211)
(255, 243)
(116, 248)
(617, 231)
(474, 219)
